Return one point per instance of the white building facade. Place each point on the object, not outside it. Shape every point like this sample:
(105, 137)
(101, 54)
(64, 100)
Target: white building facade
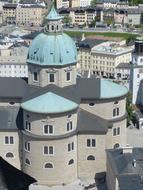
(137, 72)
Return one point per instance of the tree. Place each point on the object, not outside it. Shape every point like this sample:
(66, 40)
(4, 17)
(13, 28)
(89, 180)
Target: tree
(67, 19)
(130, 39)
(93, 2)
(129, 108)
(135, 2)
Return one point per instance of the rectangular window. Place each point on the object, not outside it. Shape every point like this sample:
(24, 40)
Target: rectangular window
(48, 150)
(51, 77)
(9, 140)
(28, 126)
(116, 131)
(69, 126)
(115, 112)
(27, 146)
(48, 129)
(91, 142)
(35, 76)
(68, 76)
(70, 146)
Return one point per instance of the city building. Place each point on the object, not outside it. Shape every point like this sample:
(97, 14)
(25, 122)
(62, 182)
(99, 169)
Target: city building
(124, 169)
(9, 13)
(137, 72)
(63, 3)
(81, 15)
(57, 111)
(30, 15)
(102, 57)
(85, 3)
(13, 58)
(72, 3)
(123, 71)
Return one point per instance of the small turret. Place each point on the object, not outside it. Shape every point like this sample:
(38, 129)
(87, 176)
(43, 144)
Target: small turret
(54, 22)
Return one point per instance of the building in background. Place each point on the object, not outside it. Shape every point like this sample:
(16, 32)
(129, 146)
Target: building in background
(102, 58)
(124, 169)
(137, 72)
(9, 13)
(30, 15)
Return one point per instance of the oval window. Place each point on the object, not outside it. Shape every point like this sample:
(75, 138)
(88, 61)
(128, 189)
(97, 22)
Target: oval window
(11, 103)
(91, 104)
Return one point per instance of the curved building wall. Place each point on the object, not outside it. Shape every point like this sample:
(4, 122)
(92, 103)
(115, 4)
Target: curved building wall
(62, 172)
(60, 75)
(114, 136)
(104, 108)
(62, 123)
(88, 168)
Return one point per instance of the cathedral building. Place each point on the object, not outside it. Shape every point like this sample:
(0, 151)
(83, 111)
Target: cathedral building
(56, 127)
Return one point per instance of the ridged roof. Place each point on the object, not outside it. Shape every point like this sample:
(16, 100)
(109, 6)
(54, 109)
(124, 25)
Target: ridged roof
(52, 50)
(49, 103)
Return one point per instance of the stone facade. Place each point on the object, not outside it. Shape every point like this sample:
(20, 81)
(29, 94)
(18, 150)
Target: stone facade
(60, 74)
(65, 125)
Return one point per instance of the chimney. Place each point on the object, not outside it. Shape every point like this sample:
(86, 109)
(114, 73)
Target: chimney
(83, 37)
(127, 149)
(134, 163)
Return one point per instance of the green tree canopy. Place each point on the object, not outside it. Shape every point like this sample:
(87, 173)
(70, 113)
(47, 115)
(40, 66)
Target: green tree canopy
(93, 2)
(67, 19)
(129, 108)
(135, 2)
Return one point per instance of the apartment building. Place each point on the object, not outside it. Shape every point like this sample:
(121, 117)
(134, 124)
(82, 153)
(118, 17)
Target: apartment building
(9, 13)
(81, 16)
(32, 15)
(73, 3)
(63, 3)
(102, 58)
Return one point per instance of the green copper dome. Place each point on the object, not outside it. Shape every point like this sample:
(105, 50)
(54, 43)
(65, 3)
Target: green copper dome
(52, 47)
(56, 49)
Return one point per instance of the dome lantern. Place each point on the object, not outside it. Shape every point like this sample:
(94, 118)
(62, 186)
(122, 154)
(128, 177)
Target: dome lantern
(54, 22)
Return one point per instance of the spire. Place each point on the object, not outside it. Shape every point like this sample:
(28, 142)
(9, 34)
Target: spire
(53, 15)
(54, 22)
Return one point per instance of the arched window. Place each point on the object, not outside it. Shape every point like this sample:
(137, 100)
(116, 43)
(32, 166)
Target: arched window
(52, 27)
(116, 102)
(71, 162)
(48, 165)
(91, 157)
(9, 155)
(116, 145)
(27, 161)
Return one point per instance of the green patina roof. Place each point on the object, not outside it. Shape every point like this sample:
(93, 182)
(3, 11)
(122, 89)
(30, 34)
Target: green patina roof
(53, 15)
(110, 89)
(49, 103)
(52, 50)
